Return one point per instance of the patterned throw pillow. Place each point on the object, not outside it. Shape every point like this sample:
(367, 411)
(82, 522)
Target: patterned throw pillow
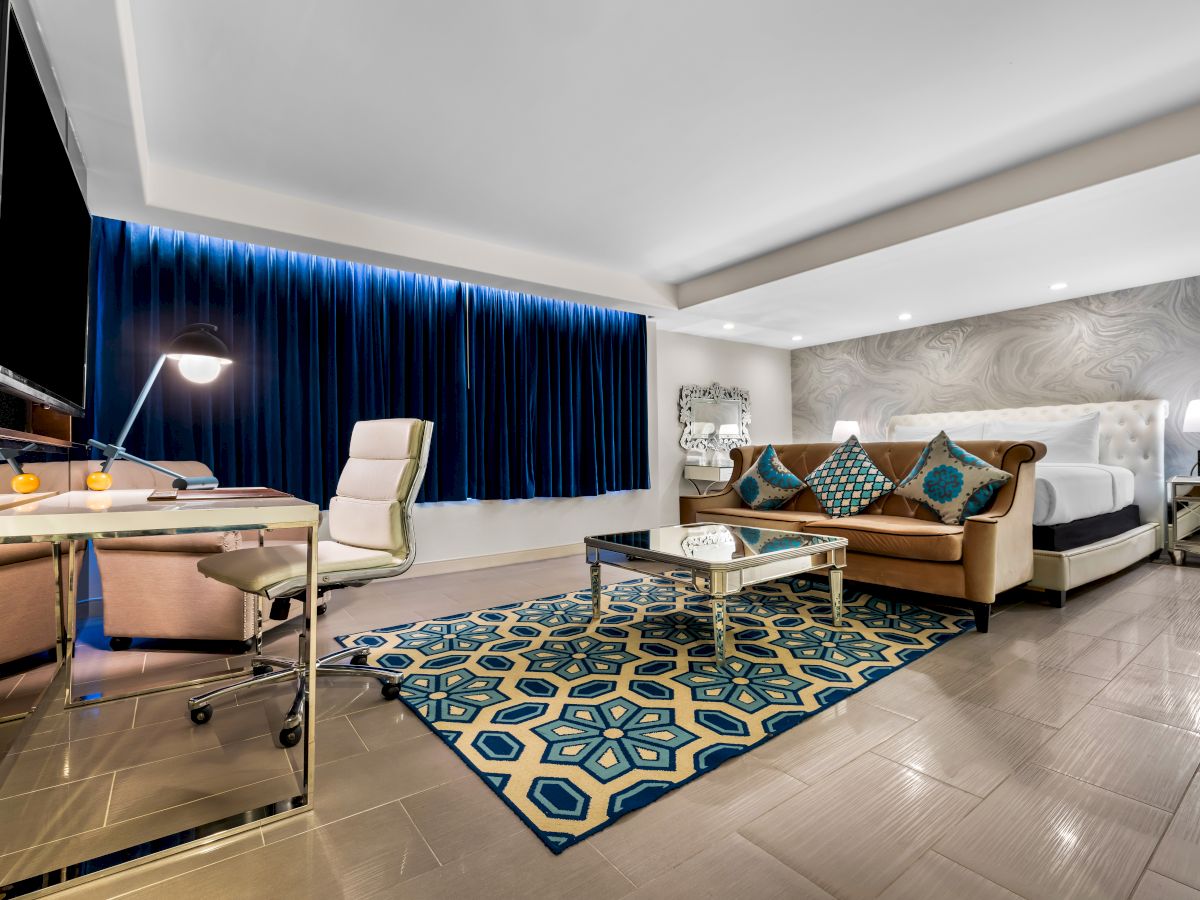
(951, 482)
(768, 484)
(848, 482)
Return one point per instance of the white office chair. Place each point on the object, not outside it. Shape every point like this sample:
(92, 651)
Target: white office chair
(370, 526)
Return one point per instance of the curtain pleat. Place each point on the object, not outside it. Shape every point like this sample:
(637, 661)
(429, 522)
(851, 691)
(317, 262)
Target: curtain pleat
(556, 404)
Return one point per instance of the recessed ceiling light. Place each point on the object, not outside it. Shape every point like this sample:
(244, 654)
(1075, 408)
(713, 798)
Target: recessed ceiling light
(797, 337)
(904, 317)
(728, 326)
(1058, 286)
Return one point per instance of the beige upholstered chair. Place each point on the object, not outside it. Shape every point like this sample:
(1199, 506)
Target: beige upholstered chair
(137, 573)
(28, 592)
(370, 529)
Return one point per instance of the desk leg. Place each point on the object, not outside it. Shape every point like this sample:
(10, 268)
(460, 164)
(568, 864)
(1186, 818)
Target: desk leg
(308, 663)
(720, 629)
(835, 594)
(596, 593)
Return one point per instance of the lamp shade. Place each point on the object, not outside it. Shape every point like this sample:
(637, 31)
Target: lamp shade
(1191, 418)
(199, 352)
(844, 428)
(199, 339)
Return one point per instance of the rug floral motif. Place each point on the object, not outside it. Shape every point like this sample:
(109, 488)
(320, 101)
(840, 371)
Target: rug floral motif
(574, 723)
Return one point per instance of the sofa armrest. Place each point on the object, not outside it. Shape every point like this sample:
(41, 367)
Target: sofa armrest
(998, 544)
(691, 509)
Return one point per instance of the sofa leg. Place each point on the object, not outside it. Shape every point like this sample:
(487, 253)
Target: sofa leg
(1060, 599)
(983, 616)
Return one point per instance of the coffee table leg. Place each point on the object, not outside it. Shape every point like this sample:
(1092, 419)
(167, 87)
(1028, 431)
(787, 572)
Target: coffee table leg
(720, 631)
(835, 594)
(595, 567)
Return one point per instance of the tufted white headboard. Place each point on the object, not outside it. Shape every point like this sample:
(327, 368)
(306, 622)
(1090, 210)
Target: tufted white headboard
(1132, 434)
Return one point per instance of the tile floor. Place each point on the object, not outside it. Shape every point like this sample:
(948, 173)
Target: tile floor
(1055, 757)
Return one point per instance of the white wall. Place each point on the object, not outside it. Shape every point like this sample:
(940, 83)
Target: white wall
(450, 531)
(686, 359)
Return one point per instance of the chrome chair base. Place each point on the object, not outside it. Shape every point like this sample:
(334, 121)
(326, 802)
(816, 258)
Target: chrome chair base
(274, 669)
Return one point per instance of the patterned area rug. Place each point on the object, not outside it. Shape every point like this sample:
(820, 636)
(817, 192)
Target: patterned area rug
(575, 724)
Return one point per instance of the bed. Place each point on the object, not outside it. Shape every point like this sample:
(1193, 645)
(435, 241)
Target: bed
(1097, 509)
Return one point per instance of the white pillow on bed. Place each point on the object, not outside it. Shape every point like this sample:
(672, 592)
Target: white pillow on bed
(1068, 441)
(929, 432)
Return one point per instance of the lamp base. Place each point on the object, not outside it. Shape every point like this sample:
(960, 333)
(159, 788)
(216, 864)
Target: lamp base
(194, 483)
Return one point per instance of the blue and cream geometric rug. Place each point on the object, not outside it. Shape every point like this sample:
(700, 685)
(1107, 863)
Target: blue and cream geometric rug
(575, 724)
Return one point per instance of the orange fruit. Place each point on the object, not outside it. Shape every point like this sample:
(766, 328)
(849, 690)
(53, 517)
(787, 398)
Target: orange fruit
(99, 481)
(26, 483)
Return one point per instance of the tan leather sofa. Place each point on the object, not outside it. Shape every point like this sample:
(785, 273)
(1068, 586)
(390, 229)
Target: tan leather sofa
(896, 542)
(152, 588)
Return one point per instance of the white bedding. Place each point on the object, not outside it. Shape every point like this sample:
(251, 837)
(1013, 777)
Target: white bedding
(1069, 491)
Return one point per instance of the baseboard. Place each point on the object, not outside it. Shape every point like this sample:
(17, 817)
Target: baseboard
(470, 563)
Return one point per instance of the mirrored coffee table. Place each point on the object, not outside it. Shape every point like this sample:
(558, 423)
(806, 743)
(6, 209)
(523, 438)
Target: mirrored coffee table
(719, 560)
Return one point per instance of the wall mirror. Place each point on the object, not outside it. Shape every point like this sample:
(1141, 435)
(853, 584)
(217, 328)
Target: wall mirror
(714, 417)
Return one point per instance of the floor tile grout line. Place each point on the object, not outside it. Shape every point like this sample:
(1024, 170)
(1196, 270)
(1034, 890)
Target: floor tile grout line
(152, 762)
(633, 884)
(424, 840)
(1195, 782)
(1170, 812)
(112, 786)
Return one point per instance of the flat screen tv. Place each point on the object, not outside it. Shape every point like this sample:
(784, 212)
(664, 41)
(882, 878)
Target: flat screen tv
(45, 239)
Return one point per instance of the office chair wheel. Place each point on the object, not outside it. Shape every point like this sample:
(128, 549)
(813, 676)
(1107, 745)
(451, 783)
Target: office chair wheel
(120, 643)
(202, 714)
(290, 737)
(259, 669)
(321, 608)
(390, 691)
(359, 659)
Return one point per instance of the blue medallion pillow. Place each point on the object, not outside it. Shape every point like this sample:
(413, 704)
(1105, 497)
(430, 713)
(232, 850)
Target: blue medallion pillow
(848, 482)
(768, 484)
(951, 482)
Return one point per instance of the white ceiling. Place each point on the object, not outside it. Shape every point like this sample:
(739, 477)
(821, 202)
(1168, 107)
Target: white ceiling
(1141, 229)
(605, 150)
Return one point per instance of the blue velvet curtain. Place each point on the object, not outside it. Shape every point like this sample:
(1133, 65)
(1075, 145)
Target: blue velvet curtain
(558, 397)
(531, 397)
(318, 344)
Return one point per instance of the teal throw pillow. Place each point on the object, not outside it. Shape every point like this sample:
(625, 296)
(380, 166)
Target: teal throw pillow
(768, 484)
(951, 482)
(848, 481)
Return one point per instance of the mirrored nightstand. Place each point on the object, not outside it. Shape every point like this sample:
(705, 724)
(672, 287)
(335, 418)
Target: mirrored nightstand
(712, 477)
(1183, 517)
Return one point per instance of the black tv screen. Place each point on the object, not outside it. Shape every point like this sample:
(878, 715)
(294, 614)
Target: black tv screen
(45, 239)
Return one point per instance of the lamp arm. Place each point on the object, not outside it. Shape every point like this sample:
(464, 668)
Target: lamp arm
(137, 404)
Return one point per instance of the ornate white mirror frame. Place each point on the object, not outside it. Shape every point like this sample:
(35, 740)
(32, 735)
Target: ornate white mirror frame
(732, 434)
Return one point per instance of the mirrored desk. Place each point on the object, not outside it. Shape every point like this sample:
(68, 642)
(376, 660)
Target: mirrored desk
(86, 789)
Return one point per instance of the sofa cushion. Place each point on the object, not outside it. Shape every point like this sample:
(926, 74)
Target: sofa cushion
(896, 536)
(950, 481)
(768, 484)
(848, 481)
(778, 519)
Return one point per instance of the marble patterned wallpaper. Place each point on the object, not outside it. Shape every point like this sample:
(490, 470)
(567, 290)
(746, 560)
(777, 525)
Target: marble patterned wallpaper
(1140, 343)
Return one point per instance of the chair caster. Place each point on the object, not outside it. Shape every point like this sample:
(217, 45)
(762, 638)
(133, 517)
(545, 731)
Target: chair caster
(321, 608)
(120, 643)
(259, 669)
(390, 691)
(359, 659)
(290, 737)
(202, 714)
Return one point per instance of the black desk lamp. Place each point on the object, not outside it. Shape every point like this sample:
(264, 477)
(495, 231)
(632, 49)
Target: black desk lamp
(201, 356)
